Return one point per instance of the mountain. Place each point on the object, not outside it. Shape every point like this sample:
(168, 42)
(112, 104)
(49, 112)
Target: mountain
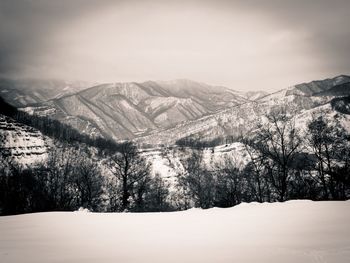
(49, 165)
(243, 118)
(121, 108)
(162, 112)
(24, 92)
(318, 86)
(338, 90)
(130, 110)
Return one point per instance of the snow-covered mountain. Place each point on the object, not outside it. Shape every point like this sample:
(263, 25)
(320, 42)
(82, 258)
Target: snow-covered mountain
(129, 110)
(136, 110)
(318, 86)
(243, 117)
(24, 92)
(162, 112)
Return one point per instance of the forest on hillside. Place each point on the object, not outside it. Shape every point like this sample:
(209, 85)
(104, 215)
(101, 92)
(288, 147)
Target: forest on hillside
(103, 176)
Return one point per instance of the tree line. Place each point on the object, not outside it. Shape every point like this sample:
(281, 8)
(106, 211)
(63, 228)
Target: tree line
(81, 171)
(75, 177)
(283, 163)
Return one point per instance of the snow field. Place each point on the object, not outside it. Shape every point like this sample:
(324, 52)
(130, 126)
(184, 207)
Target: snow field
(295, 231)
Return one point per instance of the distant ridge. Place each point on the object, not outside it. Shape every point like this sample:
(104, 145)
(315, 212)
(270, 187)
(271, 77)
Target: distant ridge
(159, 112)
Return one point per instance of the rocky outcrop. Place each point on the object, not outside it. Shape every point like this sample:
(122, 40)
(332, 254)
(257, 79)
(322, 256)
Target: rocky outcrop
(21, 143)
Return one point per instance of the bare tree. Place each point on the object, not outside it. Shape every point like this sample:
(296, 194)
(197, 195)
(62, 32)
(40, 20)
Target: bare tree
(157, 198)
(279, 141)
(255, 170)
(230, 184)
(88, 183)
(21, 189)
(197, 181)
(131, 170)
(58, 172)
(329, 143)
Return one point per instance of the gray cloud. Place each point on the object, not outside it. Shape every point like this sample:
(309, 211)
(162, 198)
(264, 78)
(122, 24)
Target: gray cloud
(326, 22)
(33, 40)
(26, 27)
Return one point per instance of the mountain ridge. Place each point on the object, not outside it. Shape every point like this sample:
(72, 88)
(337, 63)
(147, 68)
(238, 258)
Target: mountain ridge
(140, 111)
(128, 110)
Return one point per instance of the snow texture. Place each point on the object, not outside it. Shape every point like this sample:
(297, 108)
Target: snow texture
(295, 231)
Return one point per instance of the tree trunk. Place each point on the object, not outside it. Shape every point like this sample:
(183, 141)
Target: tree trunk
(125, 196)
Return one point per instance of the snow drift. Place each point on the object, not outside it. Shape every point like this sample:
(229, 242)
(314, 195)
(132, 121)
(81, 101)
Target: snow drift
(295, 231)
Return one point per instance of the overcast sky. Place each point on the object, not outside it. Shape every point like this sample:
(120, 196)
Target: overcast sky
(245, 45)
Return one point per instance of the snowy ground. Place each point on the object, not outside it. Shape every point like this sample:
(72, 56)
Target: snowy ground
(295, 231)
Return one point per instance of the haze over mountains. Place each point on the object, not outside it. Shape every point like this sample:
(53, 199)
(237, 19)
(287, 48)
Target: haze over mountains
(162, 117)
(123, 110)
(303, 99)
(161, 112)
(23, 92)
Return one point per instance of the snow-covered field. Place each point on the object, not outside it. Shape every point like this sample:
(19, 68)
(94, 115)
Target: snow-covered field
(295, 231)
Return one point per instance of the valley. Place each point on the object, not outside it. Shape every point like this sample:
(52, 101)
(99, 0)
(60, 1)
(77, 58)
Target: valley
(195, 143)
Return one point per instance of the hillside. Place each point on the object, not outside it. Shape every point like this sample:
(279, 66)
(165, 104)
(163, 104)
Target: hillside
(24, 92)
(129, 110)
(149, 112)
(174, 168)
(244, 117)
(318, 86)
(21, 143)
(294, 231)
(255, 95)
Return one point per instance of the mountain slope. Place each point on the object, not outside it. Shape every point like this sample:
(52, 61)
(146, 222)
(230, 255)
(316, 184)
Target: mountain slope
(244, 117)
(129, 110)
(255, 95)
(161, 112)
(338, 90)
(317, 86)
(24, 92)
(21, 143)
